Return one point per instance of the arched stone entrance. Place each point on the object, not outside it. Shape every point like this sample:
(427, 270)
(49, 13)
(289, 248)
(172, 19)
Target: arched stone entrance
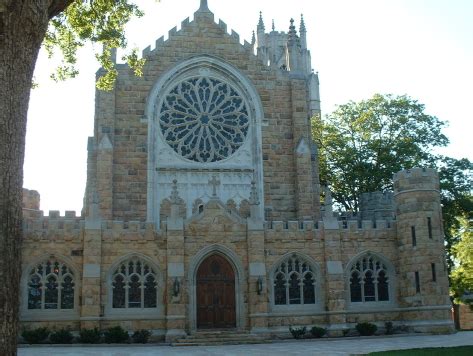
(215, 292)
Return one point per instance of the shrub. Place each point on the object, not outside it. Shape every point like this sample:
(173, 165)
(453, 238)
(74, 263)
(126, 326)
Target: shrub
(141, 336)
(366, 329)
(35, 336)
(89, 336)
(345, 332)
(62, 336)
(116, 335)
(298, 333)
(389, 328)
(317, 331)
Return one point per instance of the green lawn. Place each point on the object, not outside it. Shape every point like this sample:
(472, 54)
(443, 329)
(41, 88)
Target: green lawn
(432, 351)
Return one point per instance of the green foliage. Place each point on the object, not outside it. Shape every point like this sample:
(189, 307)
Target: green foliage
(298, 332)
(388, 328)
(317, 331)
(462, 274)
(61, 336)
(345, 332)
(35, 336)
(366, 329)
(116, 335)
(97, 21)
(456, 182)
(90, 336)
(362, 144)
(141, 336)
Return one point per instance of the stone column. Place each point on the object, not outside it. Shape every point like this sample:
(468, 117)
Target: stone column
(105, 176)
(257, 280)
(334, 281)
(304, 182)
(176, 292)
(91, 304)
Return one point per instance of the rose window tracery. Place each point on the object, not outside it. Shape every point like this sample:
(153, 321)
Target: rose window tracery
(204, 119)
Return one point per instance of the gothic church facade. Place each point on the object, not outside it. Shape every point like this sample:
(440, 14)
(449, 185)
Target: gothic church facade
(202, 208)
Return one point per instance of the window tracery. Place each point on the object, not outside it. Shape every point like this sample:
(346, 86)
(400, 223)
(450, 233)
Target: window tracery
(134, 285)
(369, 280)
(51, 286)
(204, 119)
(294, 282)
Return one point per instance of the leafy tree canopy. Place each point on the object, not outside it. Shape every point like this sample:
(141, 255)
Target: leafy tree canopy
(462, 275)
(96, 21)
(361, 144)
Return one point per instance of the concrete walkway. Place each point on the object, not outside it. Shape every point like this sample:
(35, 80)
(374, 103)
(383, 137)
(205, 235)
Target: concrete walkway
(342, 346)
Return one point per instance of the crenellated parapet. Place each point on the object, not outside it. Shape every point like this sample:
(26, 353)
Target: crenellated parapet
(53, 225)
(128, 231)
(342, 225)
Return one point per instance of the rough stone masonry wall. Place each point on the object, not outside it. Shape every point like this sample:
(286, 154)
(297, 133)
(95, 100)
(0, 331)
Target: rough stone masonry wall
(45, 237)
(127, 128)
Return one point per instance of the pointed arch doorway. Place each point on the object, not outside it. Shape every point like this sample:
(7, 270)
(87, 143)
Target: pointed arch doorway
(215, 291)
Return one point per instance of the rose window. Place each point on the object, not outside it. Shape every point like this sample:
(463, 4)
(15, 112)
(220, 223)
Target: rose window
(204, 119)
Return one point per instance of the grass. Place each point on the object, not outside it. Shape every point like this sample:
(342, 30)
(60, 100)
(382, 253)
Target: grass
(431, 351)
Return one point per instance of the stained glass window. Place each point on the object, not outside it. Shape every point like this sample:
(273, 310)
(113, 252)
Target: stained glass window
(369, 280)
(51, 286)
(204, 119)
(294, 282)
(134, 285)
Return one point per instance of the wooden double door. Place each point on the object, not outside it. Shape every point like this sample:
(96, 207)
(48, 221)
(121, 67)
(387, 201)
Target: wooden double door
(215, 294)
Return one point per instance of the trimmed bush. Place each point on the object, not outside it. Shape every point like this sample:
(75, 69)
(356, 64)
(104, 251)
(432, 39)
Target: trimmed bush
(389, 328)
(141, 336)
(116, 335)
(90, 336)
(62, 336)
(35, 336)
(318, 331)
(366, 329)
(298, 333)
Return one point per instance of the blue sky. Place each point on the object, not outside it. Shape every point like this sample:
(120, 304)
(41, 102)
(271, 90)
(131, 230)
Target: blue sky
(422, 48)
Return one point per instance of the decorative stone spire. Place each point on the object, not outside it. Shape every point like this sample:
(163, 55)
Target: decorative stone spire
(260, 27)
(253, 39)
(174, 198)
(292, 34)
(328, 203)
(272, 25)
(203, 6)
(92, 220)
(303, 32)
(174, 193)
(254, 200)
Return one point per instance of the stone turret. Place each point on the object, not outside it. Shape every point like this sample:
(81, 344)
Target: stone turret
(287, 51)
(293, 47)
(422, 273)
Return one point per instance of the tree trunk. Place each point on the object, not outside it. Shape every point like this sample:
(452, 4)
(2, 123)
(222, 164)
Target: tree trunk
(23, 24)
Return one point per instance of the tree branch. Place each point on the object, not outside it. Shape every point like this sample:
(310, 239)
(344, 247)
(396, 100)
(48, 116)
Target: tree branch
(58, 6)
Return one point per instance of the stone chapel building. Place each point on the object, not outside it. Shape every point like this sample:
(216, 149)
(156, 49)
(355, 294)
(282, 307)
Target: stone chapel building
(202, 208)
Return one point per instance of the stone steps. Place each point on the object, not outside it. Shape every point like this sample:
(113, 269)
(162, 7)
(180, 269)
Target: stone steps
(208, 338)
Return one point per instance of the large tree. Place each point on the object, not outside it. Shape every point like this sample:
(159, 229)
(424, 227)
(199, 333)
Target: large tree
(362, 144)
(24, 26)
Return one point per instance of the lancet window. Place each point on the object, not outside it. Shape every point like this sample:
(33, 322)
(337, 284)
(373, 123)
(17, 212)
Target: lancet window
(369, 280)
(294, 282)
(51, 286)
(134, 285)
